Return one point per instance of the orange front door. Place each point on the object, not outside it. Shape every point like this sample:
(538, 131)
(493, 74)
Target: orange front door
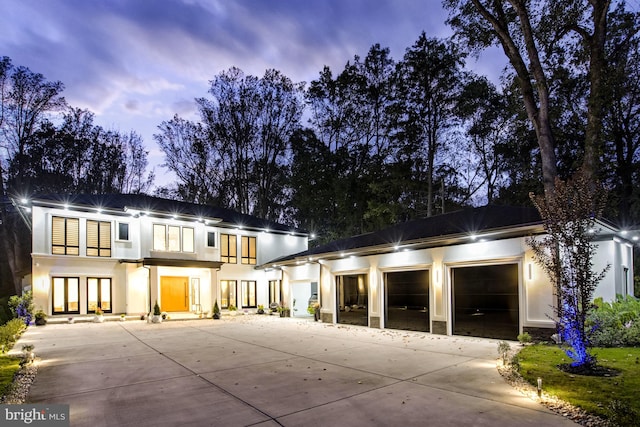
(174, 293)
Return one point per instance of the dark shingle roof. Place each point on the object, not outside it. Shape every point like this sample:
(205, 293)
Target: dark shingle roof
(164, 206)
(440, 229)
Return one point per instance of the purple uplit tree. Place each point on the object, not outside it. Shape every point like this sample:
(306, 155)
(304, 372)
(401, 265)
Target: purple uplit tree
(566, 254)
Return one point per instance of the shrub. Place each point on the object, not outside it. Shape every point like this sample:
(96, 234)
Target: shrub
(9, 333)
(524, 338)
(156, 309)
(22, 307)
(615, 324)
(41, 317)
(503, 350)
(5, 311)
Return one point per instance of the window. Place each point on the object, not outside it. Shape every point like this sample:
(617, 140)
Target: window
(188, 239)
(228, 293)
(159, 237)
(66, 291)
(273, 292)
(65, 236)
(195, 295)
(248, 250)
(98, 238)
(123, 231)
(173, 238)
(211, 239)
(228, 248)
(98, 294)
(248, 293)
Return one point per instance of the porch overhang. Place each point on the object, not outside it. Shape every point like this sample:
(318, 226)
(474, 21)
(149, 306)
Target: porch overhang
(172, 262)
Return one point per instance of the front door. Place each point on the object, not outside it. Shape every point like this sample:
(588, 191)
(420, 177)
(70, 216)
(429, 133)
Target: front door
(174, 293)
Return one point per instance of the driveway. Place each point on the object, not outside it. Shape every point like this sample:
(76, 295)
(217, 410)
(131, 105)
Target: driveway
(267, 371)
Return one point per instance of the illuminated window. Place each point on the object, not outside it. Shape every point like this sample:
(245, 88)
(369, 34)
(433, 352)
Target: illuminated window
(66, 295)
(273, 292)
(98, 294)
(98, 238)
(248, 293)
(188, 239)
(227, 293)
(173, 238)
(228, 248)
(65, 236)
(248, 250)
(159, 237)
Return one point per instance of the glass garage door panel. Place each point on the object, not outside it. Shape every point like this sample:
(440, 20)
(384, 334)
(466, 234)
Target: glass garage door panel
(353, 299)
(485, 301)
(407, 300)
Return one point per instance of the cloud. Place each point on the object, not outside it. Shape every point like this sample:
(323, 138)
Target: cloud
(137, 63)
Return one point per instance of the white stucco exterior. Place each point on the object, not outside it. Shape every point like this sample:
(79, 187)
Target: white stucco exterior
(135, 270)
(284, 271)
(535, 294)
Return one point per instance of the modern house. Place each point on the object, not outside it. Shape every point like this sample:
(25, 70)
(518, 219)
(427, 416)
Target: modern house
(468, 272)
(123, 253)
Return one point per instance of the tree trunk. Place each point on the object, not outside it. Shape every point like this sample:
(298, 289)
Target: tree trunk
(596, 42)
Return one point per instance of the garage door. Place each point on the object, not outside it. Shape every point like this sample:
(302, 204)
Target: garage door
(485, 301)
(407, 300)
(353, 299)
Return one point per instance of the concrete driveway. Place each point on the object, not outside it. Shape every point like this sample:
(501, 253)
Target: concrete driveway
(268, 371)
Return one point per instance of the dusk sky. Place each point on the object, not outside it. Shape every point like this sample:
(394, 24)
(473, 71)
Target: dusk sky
(135, 63)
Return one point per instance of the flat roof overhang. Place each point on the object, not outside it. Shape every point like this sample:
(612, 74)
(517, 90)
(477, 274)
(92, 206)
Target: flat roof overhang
(170, 262)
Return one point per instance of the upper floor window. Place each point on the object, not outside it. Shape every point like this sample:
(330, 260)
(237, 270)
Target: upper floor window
(123, 231)
(173, 238)
(98, 238)
(248, 250)
(65, 236)
(211, 239)
(228, 248)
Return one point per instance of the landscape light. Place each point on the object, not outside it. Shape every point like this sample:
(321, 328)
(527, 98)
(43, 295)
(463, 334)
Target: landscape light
(539, 387)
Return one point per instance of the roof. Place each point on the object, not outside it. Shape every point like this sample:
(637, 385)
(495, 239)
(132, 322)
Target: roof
(439, 230)
(140, 204)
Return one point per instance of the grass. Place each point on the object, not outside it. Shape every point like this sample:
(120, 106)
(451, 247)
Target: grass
(609, 397)
(8, 368)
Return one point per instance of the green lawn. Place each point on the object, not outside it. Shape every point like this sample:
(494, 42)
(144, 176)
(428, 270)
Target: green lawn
(610, 397)
(8, 368)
